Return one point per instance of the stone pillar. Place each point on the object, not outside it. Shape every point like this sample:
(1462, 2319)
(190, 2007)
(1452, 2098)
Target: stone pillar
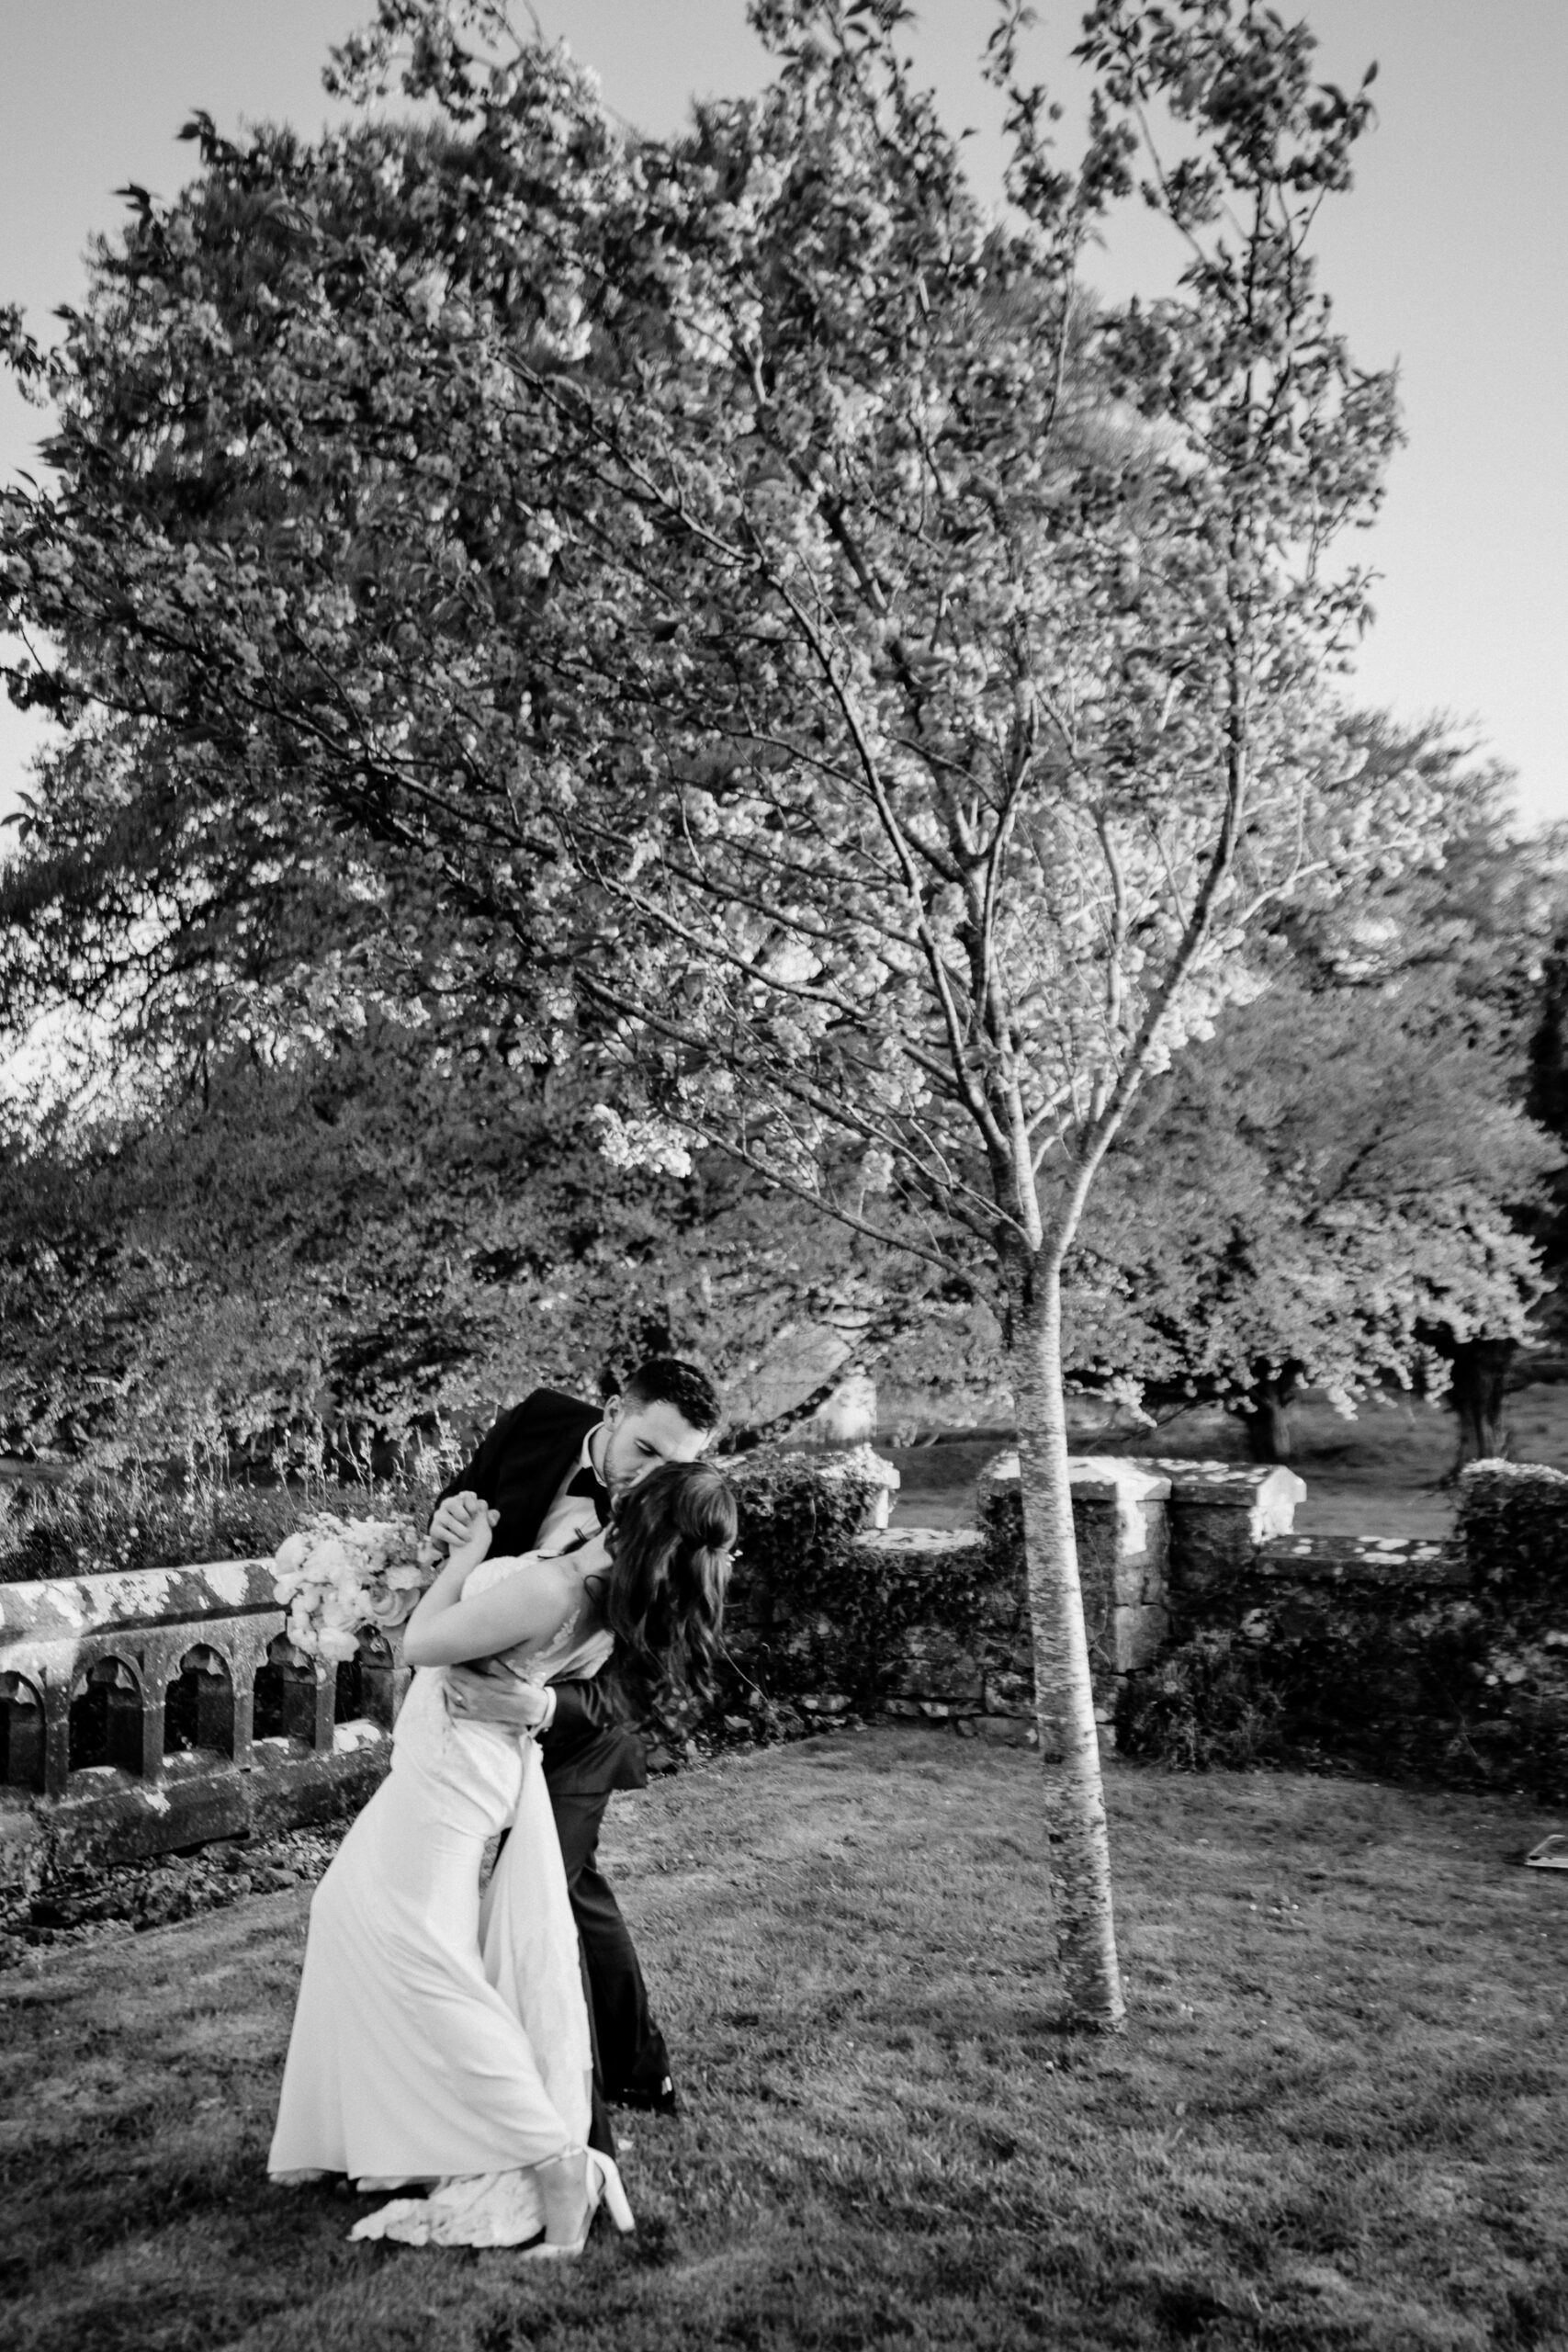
(146, 1741)
(932, 1665)
(1120, 1523)
(324, 1716)
(378, 1680)
(57, 1730)
(1513, 1523)
(248, 1657)
(400, 1677)
(1220, 1515)
(245, 1716)
(303, 1685)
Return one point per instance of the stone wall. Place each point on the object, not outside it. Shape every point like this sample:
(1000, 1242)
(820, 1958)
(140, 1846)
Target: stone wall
(143, 1713)
(1215, 1631)
(920, 1623)
(1219, 1517)
(149, 1712)
(1443, 1660)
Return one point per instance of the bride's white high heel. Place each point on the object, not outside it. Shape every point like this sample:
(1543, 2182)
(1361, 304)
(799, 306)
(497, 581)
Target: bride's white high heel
(571, 2189)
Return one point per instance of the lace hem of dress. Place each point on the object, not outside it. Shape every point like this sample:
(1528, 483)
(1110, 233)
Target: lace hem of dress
(475, 2209)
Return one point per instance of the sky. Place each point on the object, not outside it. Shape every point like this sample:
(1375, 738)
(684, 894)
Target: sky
(1450, 256)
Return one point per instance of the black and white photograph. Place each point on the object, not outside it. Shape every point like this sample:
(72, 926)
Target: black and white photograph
(783, 1176)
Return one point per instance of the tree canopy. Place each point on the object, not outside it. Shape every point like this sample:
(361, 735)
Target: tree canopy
(736, 615)
(381, 1237)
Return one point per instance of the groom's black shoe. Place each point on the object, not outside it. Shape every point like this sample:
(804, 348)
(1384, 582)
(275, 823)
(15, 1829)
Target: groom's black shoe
(648, 2100)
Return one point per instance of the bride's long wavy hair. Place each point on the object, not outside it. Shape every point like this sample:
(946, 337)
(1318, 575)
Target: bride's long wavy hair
(671, 1542)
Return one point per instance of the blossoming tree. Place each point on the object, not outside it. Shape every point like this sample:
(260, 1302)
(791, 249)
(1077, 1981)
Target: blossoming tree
(967, 664)
(745, 613)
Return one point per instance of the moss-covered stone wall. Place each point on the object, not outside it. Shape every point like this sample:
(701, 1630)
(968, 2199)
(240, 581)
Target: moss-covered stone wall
(1443, 1661)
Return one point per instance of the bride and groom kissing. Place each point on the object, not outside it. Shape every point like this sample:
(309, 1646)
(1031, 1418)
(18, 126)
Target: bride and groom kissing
(470, 2042)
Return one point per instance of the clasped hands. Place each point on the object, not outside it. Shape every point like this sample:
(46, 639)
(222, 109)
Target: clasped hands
(452, 1521)
(475, 1694)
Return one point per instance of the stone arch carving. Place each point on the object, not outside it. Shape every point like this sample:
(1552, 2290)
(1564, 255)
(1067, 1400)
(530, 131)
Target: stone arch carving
(285, 1703)
(365, 1682)
(22, 1733)
(198, 1704)
(107, 1706)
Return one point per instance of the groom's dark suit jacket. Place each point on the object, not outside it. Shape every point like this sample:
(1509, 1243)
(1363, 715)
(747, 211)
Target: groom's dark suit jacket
(518, 1470)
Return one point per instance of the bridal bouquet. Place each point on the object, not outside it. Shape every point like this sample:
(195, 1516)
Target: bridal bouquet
(337, 1574)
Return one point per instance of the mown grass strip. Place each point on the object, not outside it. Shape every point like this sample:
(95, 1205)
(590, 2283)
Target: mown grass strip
(1340, 2119)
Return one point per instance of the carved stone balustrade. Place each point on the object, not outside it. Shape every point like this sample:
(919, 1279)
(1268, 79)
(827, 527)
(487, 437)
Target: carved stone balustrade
(145, 1712)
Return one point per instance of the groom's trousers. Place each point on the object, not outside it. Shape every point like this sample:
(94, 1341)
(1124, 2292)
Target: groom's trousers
(630, 2051)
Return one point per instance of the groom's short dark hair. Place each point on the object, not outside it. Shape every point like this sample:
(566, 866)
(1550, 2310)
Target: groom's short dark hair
(665, 1380)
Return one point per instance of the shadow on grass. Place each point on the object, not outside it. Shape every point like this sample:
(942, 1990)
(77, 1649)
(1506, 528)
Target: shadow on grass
(1337, 2120)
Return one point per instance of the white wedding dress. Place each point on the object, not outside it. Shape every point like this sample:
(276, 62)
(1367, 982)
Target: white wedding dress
(439, 2037)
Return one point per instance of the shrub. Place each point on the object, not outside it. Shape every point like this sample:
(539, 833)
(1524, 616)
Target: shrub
(1439, 1691)
(813, 1612)
(139, 1515)
(1207, 1704)
(1513, 1522)
(796, 1603)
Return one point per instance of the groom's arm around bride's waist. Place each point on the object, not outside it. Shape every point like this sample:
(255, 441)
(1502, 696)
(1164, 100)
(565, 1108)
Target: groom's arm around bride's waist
(589, 1744)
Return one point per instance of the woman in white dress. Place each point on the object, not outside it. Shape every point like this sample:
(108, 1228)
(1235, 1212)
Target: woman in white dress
(439, 2038)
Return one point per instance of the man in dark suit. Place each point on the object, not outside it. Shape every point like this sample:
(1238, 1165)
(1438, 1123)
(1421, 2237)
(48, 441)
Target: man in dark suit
(534, 1470)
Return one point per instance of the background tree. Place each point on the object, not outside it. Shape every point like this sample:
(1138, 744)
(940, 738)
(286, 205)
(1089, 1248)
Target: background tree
(739, 610)
(1340, 1188)
(1474, 918)
(1546, 1098)
(378, 1237)
(1304, 1200)
(381, 1233)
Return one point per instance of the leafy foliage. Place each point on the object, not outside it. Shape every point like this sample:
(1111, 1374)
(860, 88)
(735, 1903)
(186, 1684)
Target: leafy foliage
(1395, 1675)
(736, 610)
(376, 1235)
(1329, 1177)
(812, 1609)
(87, 1524)
(1340, 1186)
(1438, 1689)
(459, 489)
(1208, 1705)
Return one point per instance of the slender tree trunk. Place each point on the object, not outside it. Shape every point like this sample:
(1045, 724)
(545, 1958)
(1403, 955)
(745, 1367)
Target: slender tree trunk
(1069, 1744)
(1265, 1415)
(1479, 1394)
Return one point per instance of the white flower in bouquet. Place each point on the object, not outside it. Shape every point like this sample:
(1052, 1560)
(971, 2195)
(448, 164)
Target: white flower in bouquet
(390, 1597)
(337, 1576)
(336, 1560)
(289, 1561)
(333, 1643)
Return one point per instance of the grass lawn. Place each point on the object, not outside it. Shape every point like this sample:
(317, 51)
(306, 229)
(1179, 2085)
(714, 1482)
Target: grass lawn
(1340, 2119)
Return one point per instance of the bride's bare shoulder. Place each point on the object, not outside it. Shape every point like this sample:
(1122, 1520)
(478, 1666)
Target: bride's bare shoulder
(545, 1571)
